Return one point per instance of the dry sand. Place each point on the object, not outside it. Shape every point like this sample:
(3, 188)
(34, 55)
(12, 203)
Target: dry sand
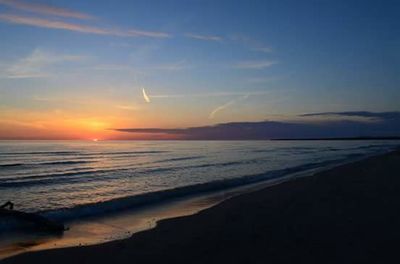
(349, 214)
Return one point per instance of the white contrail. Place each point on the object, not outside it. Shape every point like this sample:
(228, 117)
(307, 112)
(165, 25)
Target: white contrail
(146, 98)
(226, 105)
(219, 108)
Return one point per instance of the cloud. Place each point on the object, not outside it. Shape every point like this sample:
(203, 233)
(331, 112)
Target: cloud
(44, 9)
(215, 94)
(226, 105)
(172, 67)
(204, 37)
(145, 96)
(56, 24)
(380, 115)
(256, 65)
(153, 130)
(263, 49)
(251, 43)
(36, 64)
(127, 107)
(388, 127)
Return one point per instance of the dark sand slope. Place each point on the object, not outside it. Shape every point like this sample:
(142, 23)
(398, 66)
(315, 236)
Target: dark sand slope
(350, 214)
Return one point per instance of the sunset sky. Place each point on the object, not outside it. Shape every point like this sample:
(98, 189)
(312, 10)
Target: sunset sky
(93, 69)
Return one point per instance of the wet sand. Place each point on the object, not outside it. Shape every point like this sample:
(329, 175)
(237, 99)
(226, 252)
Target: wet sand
(349, 214)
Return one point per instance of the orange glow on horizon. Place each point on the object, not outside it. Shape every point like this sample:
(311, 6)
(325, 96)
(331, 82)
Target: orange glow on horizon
(92, 120)
(57, 125)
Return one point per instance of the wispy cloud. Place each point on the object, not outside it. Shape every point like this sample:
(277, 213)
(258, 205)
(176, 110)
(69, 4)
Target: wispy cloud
(258, 64)
(127, 107)
(226, 105)
(394, 114)
(44, 9)
(216, 94)
(204, 37)
(174, 66)
(251, 43)
(35, 65)
(56, 24)
(263, 49)
(356, 115)
(145, 96)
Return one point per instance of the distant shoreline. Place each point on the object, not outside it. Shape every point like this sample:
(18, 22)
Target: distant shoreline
(341, 138)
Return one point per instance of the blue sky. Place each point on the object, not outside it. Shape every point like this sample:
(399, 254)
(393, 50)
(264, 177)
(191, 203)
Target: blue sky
(200, 62)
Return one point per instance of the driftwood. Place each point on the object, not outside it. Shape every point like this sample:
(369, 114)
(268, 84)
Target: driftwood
(40, 221)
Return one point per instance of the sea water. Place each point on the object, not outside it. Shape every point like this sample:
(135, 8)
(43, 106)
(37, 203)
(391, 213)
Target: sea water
(74, 179)
(108, 190)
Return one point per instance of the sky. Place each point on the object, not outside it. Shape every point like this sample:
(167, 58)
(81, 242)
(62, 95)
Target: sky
(104, 69)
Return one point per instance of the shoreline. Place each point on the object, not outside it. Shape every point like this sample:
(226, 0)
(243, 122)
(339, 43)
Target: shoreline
(108, 226)
(118, 225)
(221, 218)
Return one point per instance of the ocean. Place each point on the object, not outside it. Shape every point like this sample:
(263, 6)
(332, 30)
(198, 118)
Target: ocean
(74, 179)
(108, 190)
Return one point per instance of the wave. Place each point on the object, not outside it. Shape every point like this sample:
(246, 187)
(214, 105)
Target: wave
(313, 149)
(181, 158)
(282, 149)
(206, 165)
(60, 162)
(75, 176)
(40, 153)
(11, 165)
(78, 153)
(47, 179)
(145, 199)
(131, 202)
(68, 162)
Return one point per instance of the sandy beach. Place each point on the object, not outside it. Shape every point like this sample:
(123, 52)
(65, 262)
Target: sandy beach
(348, 214)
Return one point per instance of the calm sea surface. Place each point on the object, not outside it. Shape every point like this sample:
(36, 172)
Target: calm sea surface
(72, 178)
